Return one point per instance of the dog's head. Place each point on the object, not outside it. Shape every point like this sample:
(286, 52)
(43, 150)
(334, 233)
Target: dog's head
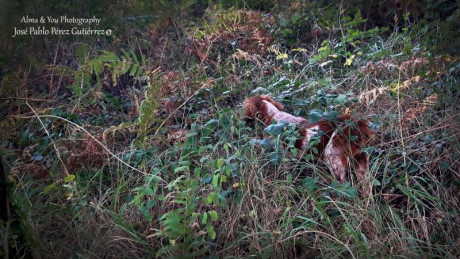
(354, 136)
(254, 107)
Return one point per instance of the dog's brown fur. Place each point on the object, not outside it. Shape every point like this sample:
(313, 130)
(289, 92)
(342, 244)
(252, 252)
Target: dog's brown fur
(337, 148)
(264, 108)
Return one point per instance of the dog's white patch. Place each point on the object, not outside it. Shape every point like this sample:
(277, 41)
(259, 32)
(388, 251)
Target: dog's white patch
(280, 116)
(271, 109)
(309, 134)
(332, 159)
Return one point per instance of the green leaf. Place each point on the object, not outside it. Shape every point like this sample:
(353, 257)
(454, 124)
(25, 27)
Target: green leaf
(148, 191)
(69, 178)
(150, 204)
(143, 60)
(211, 232)
(133, 70)
(312, 61)
(331, 116)
(310, 183)
(315, 150)
(182, 169)
(282, 56)
(125, 54)
(276, 128)
(367, 150)
(172, 223)
(197, 172)
(49, 188)
(345, 190)
(286, 32)
(134, 57)
(228, 169)
(295, 18)
(289, 178)
(225, 118)
(204, 221)
(211, 124)
(213, 215)
(315, 116)
(215, 180)
(81, 52)
(220, 163)
(210, 198)
(444, 165)
(275, 158)
(341, 99)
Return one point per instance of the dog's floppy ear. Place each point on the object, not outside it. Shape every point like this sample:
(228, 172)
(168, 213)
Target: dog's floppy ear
(250, 109)
(278, 105)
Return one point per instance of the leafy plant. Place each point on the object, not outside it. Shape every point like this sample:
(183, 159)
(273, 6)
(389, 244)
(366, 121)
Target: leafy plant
(88, 76)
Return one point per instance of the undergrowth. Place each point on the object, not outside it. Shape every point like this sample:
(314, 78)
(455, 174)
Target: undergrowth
(140, 149)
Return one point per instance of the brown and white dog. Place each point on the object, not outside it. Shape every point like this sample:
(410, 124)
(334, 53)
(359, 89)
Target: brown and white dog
(340, 143)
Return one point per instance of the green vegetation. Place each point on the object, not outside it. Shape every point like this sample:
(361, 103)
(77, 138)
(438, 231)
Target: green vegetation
(134, 144)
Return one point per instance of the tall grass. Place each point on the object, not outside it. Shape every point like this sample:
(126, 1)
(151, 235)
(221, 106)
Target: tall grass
(186, 177)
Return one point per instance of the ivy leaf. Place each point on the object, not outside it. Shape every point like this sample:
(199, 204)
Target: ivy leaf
(275, 158)
(265, 143)
(444, 165)
(331, 116)
(276, 128)
(150, 204)
(206, 179)
(342, 99)
(367, 150)
(315, 116)
(345, 190)
(310, 183)
(148, 191)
